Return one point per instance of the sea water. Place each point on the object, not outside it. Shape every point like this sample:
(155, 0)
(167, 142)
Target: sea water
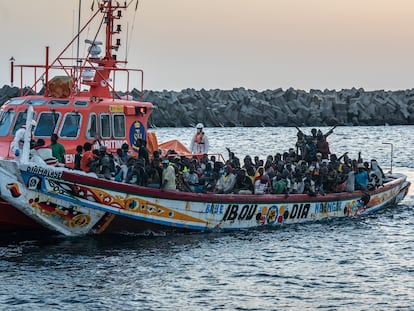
(363, 263)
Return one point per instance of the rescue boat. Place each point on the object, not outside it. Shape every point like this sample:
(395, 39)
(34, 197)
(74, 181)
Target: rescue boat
(80, 102)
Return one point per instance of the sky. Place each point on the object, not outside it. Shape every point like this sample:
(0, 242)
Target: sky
(226, 44)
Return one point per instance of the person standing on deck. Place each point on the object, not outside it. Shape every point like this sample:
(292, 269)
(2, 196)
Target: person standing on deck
(58, 150)
(16, 147)
(199, 143)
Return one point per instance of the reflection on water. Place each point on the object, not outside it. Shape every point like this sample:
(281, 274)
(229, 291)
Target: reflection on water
(353, 264)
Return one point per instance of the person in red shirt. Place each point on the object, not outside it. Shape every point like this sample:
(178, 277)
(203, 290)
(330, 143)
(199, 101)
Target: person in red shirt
(87, 158)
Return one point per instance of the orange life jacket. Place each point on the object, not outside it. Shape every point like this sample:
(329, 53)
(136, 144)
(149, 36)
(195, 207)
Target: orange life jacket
(198, 137)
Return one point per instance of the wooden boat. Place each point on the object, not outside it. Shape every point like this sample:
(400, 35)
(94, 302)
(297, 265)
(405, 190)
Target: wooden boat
(76, 203)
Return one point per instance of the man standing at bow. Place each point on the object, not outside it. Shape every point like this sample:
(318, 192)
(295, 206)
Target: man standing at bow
(199, 143)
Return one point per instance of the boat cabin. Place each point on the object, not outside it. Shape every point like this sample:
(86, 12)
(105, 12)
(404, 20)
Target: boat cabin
(81, 102)
(76, 121)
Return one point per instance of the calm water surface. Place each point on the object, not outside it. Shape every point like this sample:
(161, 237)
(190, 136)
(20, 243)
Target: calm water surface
(358, 264)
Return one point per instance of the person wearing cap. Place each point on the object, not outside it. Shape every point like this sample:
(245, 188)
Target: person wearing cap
(199, 143)
(226, 182)
(168, 176)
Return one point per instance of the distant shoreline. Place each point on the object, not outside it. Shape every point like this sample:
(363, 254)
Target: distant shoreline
(249, 108)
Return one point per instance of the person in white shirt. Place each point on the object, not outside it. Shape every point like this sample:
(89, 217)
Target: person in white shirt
(168, 176)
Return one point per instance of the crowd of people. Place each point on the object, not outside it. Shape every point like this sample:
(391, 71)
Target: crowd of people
(307, 168)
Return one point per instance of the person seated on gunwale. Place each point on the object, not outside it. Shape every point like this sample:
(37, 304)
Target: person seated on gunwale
(45, 152)
(309, 185)
(226, 182)
(78, 158)
(106, 164)
(330, 181)
(58, 150)
(136, 172)
(244, 184)
(361, 177)
(261, 181)
(279, 184)
(191, 178)
(153, 177)
(87, 158)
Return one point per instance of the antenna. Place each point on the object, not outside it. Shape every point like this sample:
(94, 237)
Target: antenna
(78, 41)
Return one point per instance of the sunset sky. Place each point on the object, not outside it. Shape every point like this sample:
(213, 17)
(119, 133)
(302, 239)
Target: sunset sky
(260, 44)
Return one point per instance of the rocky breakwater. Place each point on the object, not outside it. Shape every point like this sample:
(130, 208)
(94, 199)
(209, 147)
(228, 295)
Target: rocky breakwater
(243, 107)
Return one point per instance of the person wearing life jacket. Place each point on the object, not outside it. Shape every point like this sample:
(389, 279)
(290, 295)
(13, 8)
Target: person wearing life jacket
(199, 143)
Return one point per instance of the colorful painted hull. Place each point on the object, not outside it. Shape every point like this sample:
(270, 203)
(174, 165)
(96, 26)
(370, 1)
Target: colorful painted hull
(74, 203)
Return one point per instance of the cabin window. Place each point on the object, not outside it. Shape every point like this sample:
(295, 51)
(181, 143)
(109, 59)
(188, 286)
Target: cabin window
(105, 125)
(81, 103)
(35, 102)
(57, 102)
(20, 120)
(70, 127)
(15, 101)
(92, 128)
(46, 124)
(119, 125)
(6, 119)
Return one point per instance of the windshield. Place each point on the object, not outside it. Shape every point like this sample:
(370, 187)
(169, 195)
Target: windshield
(70, 126)
(16, 101)
(6, 119)
(46, 124)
